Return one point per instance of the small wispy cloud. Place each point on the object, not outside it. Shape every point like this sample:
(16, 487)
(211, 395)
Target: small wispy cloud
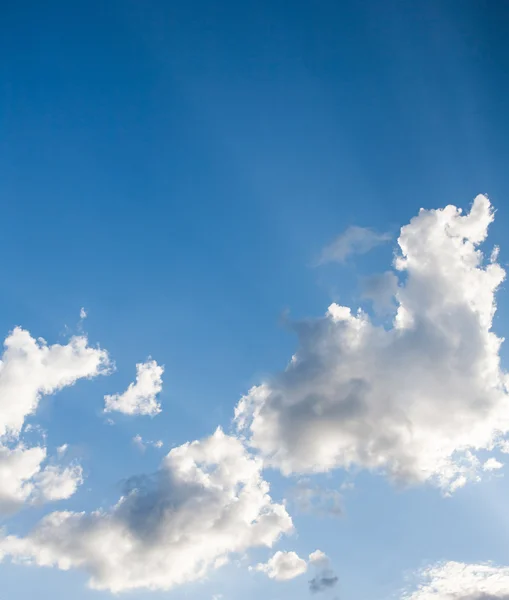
(354, 240)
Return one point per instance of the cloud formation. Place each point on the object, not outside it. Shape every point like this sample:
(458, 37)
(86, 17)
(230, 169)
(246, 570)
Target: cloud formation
(460, 581)
(29, 369)
(283, 566)
(415, 401)
(354, 240)
(140, 398)
(207, 501)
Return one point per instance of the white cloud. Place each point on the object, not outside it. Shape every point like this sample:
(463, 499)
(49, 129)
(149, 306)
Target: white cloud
(56, 483)
(415, 401)
(83, 314)
(492, 464)
(354, 240)
(283, 566)
(140, 398)
(207, 501)
(460, 581)
(29, 369)
(318, 558)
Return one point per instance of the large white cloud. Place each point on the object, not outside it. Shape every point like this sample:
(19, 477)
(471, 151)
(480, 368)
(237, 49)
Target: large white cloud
(29, 369)
(140, 398)
(207, 501)
(414, 400)
(460, 581)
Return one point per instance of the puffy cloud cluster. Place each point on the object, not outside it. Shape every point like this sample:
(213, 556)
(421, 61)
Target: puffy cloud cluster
(29, 369)
(415, 400)
(207, 501)
(460, 581)
(140, 398)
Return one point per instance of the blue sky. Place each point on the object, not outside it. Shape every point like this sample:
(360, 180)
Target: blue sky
(177, 170)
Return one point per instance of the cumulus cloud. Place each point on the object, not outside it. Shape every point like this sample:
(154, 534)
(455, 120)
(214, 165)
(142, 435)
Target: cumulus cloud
(283, 566)
(140, 398)
(325, 578)
(311, 498)
(460, 581)
(207, 501)
(354, 240)
(415, 401)
(29, 369)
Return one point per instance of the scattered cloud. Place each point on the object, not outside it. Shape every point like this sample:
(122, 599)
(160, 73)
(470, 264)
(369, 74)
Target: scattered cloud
(416, 401)
(83, 314)
(142, 444)
(140, 398)
(492, 464)
(283, 566)
(354, 240)
(460, 581)
(325, 578)
(29, 369)
(207, 501)
(311, 498)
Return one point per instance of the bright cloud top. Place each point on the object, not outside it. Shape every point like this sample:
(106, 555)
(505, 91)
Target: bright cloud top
(459, 581)
(207, 501)
(416, 400)
(29, 369)
(140, 398)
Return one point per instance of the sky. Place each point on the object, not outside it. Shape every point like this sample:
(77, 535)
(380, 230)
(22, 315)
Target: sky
(253, 300)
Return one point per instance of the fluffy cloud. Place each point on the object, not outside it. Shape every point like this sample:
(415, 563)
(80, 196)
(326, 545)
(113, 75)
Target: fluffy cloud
(354, 240)
(140, 398)
(29, 369)
(283, 566)
(207, 501)
(459, 581)
(415, 401)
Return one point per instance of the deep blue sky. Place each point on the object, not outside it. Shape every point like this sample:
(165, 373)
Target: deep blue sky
(176, 168)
